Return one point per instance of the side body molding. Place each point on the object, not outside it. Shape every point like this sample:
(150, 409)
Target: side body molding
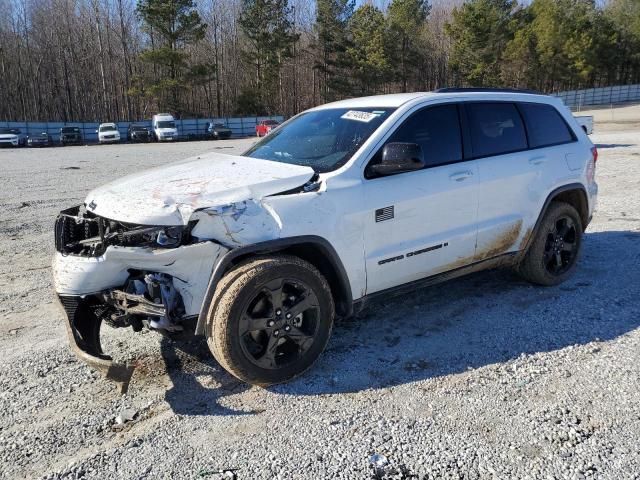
(329, 254)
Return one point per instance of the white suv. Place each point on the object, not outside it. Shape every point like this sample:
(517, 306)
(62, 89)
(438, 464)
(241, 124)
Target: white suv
(108, 133)
(342, 203)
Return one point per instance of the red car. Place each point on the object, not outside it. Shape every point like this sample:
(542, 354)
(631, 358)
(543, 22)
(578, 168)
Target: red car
(265, 126)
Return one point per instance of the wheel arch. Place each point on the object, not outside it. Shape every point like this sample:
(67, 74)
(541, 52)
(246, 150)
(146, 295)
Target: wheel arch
(313, 249)
(575, 195)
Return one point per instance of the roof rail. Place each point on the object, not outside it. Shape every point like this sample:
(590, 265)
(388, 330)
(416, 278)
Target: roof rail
(485, 89)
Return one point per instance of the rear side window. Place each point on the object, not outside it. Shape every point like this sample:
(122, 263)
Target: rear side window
(544, 125)
(437, 131)
(495, 128)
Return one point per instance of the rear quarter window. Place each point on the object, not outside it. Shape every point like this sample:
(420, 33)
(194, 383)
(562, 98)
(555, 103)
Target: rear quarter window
(545, 125)
(495, 128)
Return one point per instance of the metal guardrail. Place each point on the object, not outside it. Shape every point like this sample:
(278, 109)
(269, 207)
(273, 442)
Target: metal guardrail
(187, 128)
(577, 99)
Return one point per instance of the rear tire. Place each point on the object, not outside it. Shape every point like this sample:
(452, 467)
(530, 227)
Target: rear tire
(553, 253)
(270, 319)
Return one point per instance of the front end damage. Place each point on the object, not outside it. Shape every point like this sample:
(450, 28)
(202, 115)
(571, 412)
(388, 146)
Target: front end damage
(141, 250)
(123, 275)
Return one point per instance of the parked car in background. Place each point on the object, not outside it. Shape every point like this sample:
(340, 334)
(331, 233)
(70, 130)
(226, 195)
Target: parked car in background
(218, 131)
(586, 123)
(11, 137)
(164, 127)
(70, 136)
(138, 133)
(108, 133)
(265, 126)
(42, 139)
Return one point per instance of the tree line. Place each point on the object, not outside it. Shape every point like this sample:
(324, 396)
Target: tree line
(91, 60)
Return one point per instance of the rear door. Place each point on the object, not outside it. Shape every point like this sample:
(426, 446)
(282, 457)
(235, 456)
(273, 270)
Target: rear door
(424, 222)
(517, 160)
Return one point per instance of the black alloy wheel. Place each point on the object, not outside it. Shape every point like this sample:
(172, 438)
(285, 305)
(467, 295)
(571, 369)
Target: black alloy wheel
(270, 319)
(561, 247)
(280, 323)
(552, 254)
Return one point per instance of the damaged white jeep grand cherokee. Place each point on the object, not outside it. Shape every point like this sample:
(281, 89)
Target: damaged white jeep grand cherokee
(342, 203)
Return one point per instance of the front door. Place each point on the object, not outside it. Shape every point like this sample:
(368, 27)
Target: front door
(424, 222)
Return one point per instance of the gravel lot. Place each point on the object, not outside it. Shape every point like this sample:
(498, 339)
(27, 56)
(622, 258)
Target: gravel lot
(483, 377)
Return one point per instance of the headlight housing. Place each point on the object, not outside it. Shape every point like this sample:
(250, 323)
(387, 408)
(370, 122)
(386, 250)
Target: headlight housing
(79, 232)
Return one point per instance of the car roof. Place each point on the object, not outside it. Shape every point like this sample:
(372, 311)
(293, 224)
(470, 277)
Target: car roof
(395, 100)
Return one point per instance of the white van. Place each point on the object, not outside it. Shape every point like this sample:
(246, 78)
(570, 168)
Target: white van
(164, 127)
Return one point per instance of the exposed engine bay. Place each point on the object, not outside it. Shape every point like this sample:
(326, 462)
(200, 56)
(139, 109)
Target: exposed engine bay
(148, 300)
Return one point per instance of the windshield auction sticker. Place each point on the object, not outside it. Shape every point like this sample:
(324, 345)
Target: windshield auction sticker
(360, 116)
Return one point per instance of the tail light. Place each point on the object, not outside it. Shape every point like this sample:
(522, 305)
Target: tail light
(591, 166)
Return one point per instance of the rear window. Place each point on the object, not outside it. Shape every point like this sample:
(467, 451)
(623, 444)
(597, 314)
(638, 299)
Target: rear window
(496, 128)
(545, 125)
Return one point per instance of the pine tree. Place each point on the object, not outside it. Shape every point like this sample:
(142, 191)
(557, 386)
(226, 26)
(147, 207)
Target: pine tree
(479, 31)
(268, 29)
(177, 24)
(331, 64)
(368, 52)
(406, 18)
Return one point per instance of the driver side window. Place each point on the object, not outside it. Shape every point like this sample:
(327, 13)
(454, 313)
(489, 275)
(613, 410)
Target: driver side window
(436, 129)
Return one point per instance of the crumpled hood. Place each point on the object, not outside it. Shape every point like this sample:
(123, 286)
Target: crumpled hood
(168, 195)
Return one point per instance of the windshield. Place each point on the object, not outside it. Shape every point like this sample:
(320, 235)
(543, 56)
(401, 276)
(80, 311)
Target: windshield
(14, 131)
(167, 124)
(107, 128)
(323, 140)
(70, 130)
(138, 128)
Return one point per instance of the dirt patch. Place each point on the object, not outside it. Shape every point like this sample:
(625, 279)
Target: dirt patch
(501, 243)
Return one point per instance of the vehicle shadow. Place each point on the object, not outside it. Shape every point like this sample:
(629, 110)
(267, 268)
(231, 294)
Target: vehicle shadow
(198, 381)
(483, 319)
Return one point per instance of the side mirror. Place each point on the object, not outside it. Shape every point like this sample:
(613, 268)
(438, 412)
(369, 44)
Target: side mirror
(399, 158)
(96, 131)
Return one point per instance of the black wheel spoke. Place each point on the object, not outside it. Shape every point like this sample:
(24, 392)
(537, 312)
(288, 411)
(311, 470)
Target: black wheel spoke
(567, 225)
(269, 356)
(568, 247)
(558, 260)
(298, 336)
(252, 324)
(274, 288)
(304, 304)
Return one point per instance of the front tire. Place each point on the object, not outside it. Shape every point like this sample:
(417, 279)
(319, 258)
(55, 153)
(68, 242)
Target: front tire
(270, 319)
(553, 253)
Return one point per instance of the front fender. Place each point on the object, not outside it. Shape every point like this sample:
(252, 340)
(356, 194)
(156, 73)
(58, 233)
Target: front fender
(227, 261)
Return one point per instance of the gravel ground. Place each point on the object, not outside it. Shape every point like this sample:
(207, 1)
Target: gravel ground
(482, 377)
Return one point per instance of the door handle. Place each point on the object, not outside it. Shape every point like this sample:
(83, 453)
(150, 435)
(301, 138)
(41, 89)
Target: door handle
(459, 176)
(537, 160)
